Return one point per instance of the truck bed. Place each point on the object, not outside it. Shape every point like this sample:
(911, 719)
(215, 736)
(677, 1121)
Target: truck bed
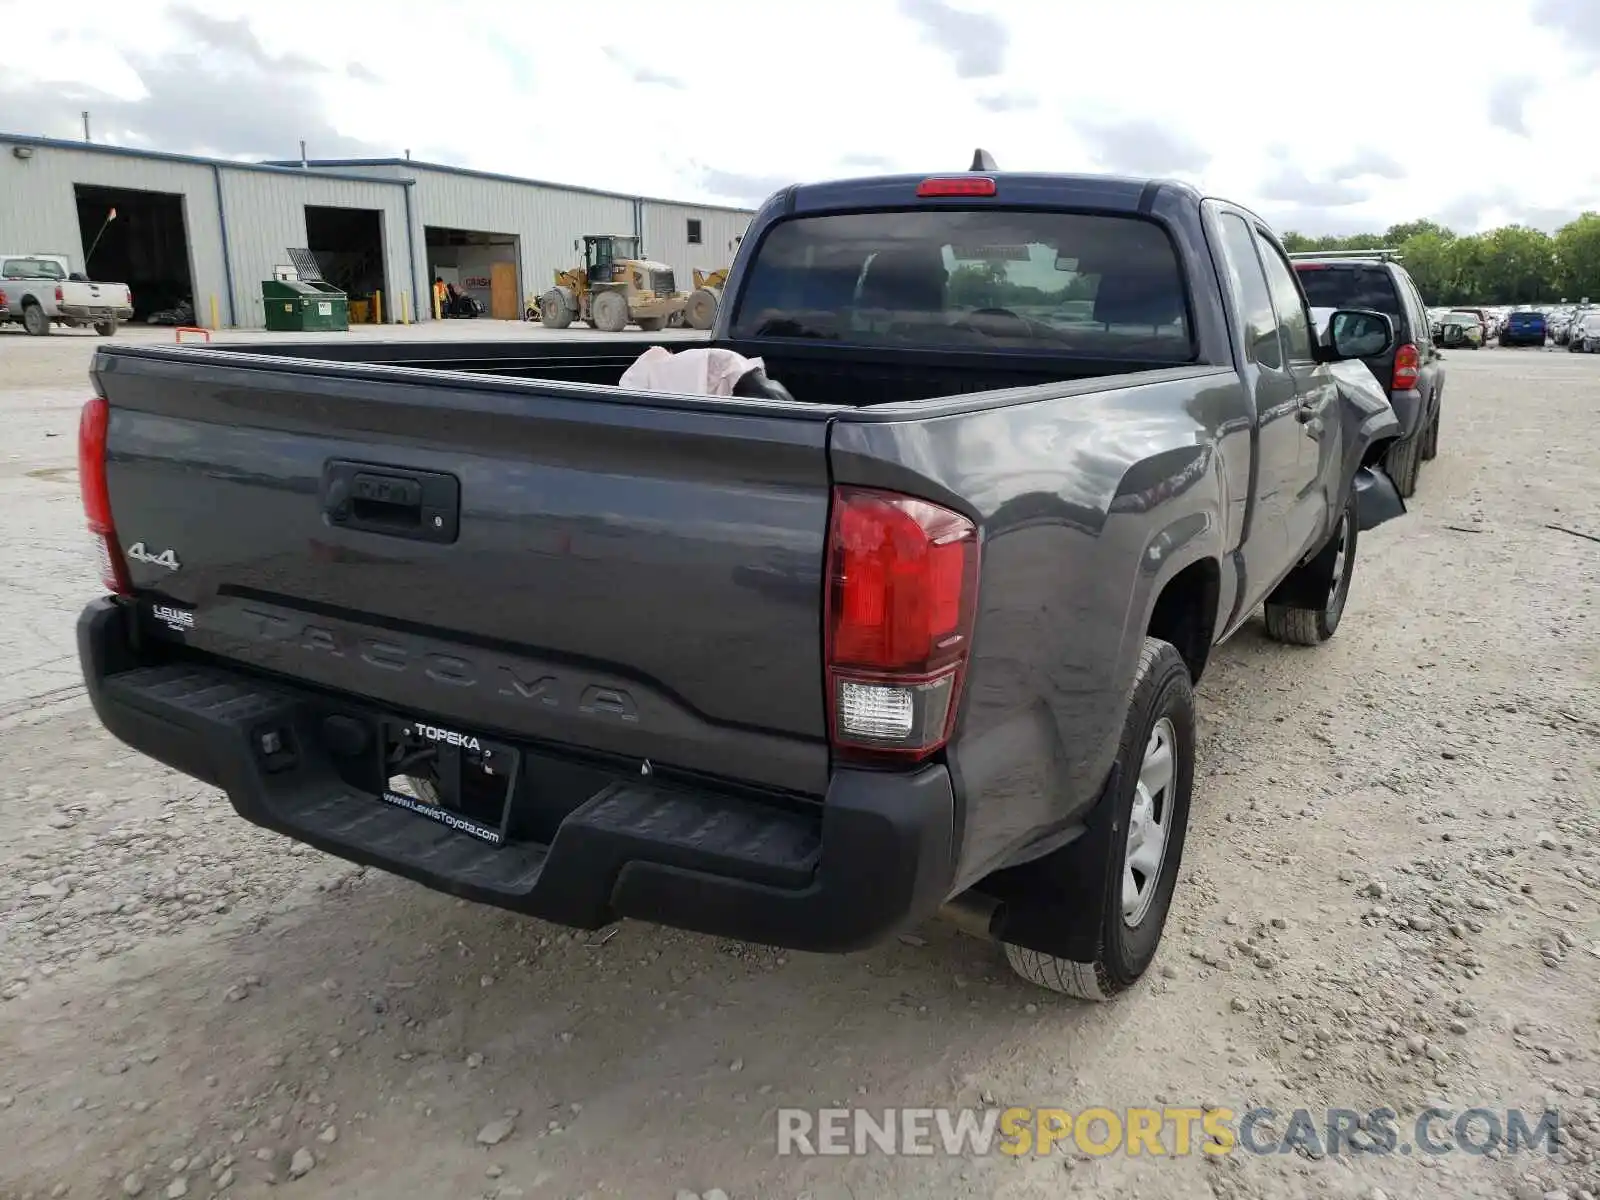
(828, 375)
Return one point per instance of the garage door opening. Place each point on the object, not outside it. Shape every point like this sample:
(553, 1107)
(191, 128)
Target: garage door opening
(479, 265)
(348, 245)
(144, 245)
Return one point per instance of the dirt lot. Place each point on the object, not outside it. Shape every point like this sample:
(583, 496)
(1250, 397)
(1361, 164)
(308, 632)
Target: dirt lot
(1391, 897)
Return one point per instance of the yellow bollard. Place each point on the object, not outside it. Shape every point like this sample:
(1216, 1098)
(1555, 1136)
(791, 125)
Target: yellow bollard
(214, 322)
(377, 308)
(405, 308)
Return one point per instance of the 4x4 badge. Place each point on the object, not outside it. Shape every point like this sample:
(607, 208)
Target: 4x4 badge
(166, 558)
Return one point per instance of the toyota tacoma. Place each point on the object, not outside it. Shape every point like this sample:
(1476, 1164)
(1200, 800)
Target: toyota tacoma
(907, 627)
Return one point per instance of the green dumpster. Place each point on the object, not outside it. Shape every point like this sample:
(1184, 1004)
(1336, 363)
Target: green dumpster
(304, 306)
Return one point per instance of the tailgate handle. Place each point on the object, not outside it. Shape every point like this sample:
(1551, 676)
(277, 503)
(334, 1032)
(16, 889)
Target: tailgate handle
(386, 490)
(392, 501)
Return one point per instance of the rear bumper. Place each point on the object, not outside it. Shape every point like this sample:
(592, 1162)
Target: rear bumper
(874, 856)
(662, 306)
(90, 313)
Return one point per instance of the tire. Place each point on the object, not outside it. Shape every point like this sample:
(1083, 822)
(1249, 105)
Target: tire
(106, 328)
(1160, 713)
(702, 310)
(553, 311)
(609, 311)
(651, 324)
(1430, 442)
(35, 320)
(1402, 462)
(1327, 576)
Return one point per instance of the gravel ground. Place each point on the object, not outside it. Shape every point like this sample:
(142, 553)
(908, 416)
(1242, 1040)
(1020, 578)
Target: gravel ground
(1391, 897)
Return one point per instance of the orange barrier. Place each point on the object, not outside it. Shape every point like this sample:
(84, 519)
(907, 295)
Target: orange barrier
(183, 329)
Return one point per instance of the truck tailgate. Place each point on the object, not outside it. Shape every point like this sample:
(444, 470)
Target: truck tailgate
(639, 578)
(94, 295)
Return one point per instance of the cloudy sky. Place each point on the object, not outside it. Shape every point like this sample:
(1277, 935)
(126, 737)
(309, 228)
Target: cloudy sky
(1325, 117)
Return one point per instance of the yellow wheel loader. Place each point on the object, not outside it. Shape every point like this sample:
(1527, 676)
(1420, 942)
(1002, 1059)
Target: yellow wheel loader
(707, 295)
(614, 288)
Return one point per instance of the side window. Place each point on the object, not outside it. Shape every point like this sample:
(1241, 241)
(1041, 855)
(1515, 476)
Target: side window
(1255, 301)
(1286, 298)
(1416, 312)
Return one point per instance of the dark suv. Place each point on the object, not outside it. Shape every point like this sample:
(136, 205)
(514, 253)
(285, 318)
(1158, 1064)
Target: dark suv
(1413, 371)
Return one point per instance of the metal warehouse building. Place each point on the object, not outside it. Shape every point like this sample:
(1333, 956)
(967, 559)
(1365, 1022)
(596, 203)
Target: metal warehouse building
(213, 229)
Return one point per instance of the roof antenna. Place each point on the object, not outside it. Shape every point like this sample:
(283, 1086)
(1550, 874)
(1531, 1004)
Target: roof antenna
(982, 160)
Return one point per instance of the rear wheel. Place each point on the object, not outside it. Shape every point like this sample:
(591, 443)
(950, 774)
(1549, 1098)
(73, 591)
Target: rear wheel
(1402, 462)
(1151, 817)
(609, 311)
(1323, 582)
(651, 324)
(1430, 442)
(105, 328)
(35, 320)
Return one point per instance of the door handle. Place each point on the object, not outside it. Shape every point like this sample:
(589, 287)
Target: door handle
(1305, 414)
(393, 501)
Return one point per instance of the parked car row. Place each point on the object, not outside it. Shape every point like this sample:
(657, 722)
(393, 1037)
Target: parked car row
(1569, 321)
(1582, 332)
(1573, 326)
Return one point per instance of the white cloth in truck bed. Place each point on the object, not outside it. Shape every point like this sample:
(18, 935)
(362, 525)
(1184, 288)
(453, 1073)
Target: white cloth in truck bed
(702, 371)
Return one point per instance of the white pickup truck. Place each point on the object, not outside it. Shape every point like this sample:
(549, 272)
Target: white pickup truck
(37, 291)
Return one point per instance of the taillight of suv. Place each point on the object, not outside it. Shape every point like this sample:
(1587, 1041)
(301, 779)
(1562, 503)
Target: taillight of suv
(1407, 368)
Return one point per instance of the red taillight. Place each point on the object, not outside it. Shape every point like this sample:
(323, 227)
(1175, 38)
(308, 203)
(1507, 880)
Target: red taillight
(957, 185)
(2, 298)
(92, 426)
(60, 295)
(902, 584)
(1407, 367)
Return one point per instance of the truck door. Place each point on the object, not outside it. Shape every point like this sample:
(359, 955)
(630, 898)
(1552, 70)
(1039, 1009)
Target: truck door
(1318, 462)
(1277, 401)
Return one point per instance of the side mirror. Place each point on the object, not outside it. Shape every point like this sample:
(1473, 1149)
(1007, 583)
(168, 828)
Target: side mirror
(1358, 333)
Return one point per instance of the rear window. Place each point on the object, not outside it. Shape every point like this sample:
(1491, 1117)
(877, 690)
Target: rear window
(31, 268)
(1349, 287)
(1086, 284)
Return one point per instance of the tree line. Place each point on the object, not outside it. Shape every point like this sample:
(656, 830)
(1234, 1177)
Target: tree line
(1511, 265)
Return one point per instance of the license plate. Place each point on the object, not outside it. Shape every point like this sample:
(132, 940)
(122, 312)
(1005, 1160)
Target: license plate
(458, 779)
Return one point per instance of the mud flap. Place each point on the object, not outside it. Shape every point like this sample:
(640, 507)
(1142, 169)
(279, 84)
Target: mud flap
(1056, 904)
(1377, 499)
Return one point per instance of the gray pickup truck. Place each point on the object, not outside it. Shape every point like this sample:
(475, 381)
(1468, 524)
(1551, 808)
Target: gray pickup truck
(908, 625)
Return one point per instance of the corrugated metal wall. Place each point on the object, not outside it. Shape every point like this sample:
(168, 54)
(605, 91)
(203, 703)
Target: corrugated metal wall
(545, 220)
(666, 236)
(267, 214)
(40, 210)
